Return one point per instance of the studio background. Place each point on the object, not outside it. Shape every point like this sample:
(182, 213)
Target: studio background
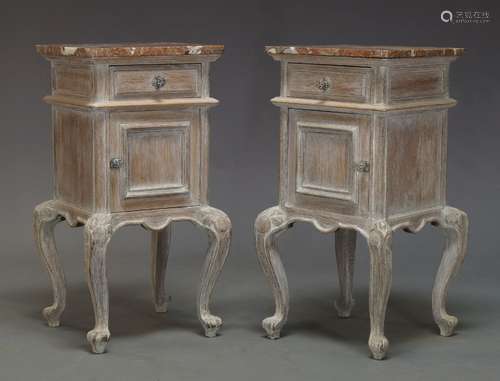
(316, 345)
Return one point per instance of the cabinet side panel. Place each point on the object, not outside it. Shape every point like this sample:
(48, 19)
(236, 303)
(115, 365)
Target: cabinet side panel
(418, 82)
(415, 166)
(74, 157)
(73, 80)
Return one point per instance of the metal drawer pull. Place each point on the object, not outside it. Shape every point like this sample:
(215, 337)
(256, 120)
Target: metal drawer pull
(158, 82)
(115, 163)
(363, 166)
(324, 84)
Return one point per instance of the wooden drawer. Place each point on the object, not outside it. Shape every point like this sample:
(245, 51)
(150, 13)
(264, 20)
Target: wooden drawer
(158, 81)
(329, 82)
(154, 159)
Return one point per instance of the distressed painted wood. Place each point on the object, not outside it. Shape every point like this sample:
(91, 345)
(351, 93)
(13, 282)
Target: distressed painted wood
(181, 81)
(363, 150)
(329, 82)
(74, 157)
(75, 80)
(45, 219)
(131, 139)
(160, 152)
(456, 225)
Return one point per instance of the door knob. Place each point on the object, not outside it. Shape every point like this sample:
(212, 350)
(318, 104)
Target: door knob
(363, 166)
(115, 163)
(158, 82)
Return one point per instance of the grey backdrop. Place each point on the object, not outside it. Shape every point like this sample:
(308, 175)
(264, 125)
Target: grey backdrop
(244, 168)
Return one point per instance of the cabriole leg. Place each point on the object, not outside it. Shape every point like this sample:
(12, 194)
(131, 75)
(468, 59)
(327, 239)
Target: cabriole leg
(218, 226)
(45, 218)
(379, 244)
(268, 225)
(456, 225)
(98, 231)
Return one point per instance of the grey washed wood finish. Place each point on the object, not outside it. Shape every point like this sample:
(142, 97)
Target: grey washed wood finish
(135, 81)
(108, 108)
(367, 160)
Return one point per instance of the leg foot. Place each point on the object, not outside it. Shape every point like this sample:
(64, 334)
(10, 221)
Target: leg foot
(379, 244)
(160, 244)
(456, 225)
(218, 226)
(272, 325)
(98, 231)
(98, 340)
(268, 225)
(211, 325)
(345, 248)
(446, 324)
(378, 345)
(52, 314)
(45, 218)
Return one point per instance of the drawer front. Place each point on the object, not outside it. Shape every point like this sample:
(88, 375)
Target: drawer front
(328, 82)
(155, 159)
(328, 161)
(159, 81)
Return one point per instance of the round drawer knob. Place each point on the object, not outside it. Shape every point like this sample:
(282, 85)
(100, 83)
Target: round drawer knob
(115, 163)
(324, 84)
(158, 82)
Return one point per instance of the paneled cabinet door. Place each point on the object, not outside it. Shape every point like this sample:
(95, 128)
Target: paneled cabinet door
(329, 161)
(154, 159)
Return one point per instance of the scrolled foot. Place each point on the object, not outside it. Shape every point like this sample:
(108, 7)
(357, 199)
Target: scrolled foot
(98, 340)
(447, 324)
(272, 325)
(378, 346)
(344, 310)
(211, 324)
(53, 315)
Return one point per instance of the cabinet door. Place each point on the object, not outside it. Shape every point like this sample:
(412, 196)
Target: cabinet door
(328, 161)
(154, 159)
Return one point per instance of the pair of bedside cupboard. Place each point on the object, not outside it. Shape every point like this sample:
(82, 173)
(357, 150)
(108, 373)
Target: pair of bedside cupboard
(363, 149)
(130, 146)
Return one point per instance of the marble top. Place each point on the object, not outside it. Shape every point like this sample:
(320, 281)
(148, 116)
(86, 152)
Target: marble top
(361, 51)
(127, 50)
